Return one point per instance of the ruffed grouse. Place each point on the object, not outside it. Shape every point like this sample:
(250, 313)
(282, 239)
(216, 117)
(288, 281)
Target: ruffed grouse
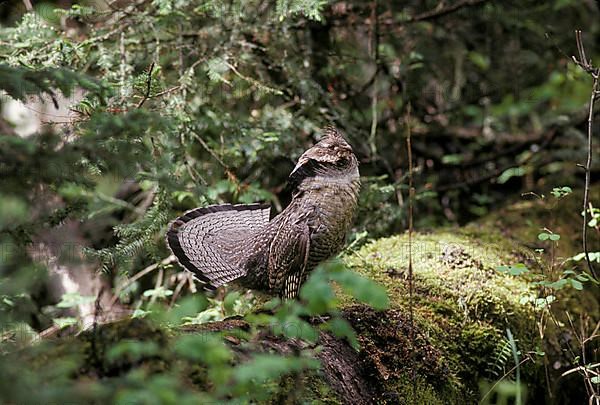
(222, 243)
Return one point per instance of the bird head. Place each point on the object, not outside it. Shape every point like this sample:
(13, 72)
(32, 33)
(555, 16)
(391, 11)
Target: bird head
(331, 155)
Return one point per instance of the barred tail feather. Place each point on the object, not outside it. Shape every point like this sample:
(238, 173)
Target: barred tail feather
(208, 241)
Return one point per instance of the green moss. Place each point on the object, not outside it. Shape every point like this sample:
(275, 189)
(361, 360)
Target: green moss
(454, 273)
(312, 390)
(462, 306)
(407, 390)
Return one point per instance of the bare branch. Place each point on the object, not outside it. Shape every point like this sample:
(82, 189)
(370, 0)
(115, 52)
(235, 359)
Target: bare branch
(588, 67)
(411, 196)
(28, 5)
(374, 44)
(440, 10)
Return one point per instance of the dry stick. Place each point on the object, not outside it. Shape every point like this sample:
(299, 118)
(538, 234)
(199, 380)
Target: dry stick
(411, 192)
(586, 368)
(28, 5)
(157, 285)
(588, 165)
(178, 289)
(587, 66)
(375, 53)
(162, 93)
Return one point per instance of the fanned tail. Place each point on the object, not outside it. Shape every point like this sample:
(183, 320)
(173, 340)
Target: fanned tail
(209, 241)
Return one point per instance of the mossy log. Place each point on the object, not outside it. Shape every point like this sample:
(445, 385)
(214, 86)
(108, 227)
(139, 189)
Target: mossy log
(463, 310)
(447, 343)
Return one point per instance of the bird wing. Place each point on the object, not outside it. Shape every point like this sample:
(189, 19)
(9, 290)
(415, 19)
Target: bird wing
(288, 256)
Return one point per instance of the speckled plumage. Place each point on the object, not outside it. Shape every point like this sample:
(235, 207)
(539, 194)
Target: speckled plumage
(222, 243)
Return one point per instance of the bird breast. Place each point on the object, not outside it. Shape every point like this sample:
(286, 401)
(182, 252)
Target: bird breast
(331, 205)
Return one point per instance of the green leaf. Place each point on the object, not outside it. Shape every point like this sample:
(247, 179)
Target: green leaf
(452, 159)
(510, 173)
(342, 329)
(64, 322)
(541, 303)
(186, 308)
(264, 367)
(206, 347)
(559, 284)
(543, 236)
(70, 300)
(576, 284)
(363, 289)
(480, 60)
(559, 192)
(293, 327)
(514, 270)
(229, 302)
(594, 257)
(317, 293)
(140, 313)
(132, 350)
(160, 292)
(554, 236)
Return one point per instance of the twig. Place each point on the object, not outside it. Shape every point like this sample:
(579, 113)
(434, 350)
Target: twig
(503, 377)
(28, 5)
(49, 332)
(375, 54)
(228, 171)
(584, 369)
(139, 275)
(253, 81)
(594, 72)
(166, 91)
(441, 11)
(98, 306)
(178, 288)
(118, 202)
(148, 86)
(162, 93)
(579, 368)
(159, 281)
(411, 193)
(95, 359)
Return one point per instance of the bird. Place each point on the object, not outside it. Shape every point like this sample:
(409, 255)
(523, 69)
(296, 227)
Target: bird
(223, 243)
